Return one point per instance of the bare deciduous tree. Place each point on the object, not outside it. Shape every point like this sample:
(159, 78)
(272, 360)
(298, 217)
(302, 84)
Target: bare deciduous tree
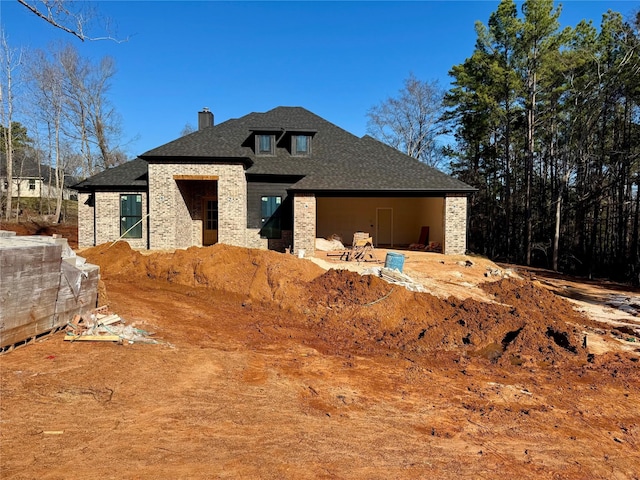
(11, 60)
(47, 81)
(95, 122)
(87, 119)
(73, 17)
(411, 122)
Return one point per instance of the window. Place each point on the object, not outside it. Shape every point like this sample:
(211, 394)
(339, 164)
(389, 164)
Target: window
(270, 222)
(301, 144)
(32, 184)
(212, 215)
(265, 144)
(131, 216)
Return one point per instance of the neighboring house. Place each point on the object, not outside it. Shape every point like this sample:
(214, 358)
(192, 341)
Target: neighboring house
(271, 180)
(31, 180)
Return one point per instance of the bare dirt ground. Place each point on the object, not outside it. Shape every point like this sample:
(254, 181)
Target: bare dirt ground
(271, 367)
(67, 230)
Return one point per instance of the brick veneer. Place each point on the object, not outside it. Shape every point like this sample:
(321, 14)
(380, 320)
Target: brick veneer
(304, 223)
(85, 221)
(171, 225)
(105, 217)
(278, 244)
(455, 225)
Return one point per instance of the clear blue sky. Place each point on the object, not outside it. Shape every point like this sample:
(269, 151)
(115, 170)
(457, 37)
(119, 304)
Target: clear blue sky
(337, 59)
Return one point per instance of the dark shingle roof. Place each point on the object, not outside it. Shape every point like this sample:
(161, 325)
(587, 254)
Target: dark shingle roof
(339, 161)
(26, 167)
(369, 165)
(132, 174)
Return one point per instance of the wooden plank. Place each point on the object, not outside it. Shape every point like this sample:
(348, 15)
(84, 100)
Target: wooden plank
(92, 338)
(109, 319)
(196, 177)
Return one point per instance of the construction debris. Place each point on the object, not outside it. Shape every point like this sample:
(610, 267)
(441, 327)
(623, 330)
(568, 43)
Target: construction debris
(435, 247)
(102, 326)
(496, 272)
(627, 303)
(396, 278)
(329, 245)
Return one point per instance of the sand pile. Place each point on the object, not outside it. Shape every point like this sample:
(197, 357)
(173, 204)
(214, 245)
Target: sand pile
(347, 312)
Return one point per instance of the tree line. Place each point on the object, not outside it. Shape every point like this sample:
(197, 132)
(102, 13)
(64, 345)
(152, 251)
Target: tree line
(546, 125)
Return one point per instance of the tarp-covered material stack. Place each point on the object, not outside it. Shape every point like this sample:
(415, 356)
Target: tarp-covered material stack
(43, 285)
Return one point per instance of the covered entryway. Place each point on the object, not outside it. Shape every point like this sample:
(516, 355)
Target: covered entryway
(200, 196)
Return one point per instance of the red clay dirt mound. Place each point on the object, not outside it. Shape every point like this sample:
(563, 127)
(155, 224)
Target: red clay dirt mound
(535, 328)
(115, 259)
(348, 313)
(255, 275)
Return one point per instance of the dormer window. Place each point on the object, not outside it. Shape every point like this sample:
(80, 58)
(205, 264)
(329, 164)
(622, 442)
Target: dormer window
(301, 144)
(265, 144)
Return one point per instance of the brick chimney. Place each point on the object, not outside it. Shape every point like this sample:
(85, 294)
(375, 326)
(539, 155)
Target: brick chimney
(205, 118)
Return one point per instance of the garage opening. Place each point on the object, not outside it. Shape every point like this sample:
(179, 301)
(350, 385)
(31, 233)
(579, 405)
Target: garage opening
(391, 221)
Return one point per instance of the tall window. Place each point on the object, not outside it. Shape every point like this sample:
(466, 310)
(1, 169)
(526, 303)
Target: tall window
(301, 145)
(32, 184)
(270, 222)
(212, 215)
(265, 144)
(131, 216)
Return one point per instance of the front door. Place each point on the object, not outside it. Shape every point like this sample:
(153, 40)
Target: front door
(384, 227)
(210, 223)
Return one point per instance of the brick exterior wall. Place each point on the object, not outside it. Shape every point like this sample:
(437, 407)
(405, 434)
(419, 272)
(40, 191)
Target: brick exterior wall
(85, 221)
(172, 224)
(455, 225)
(106, 220)
(304, 223)
(254, 240)
(176, 213)
(277, 244)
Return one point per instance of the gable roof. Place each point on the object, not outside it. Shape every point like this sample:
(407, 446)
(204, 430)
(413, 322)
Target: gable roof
(132, 174)
(339, 161)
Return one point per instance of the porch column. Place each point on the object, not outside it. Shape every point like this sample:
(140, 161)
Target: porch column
(455, 225)
(304, 223)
